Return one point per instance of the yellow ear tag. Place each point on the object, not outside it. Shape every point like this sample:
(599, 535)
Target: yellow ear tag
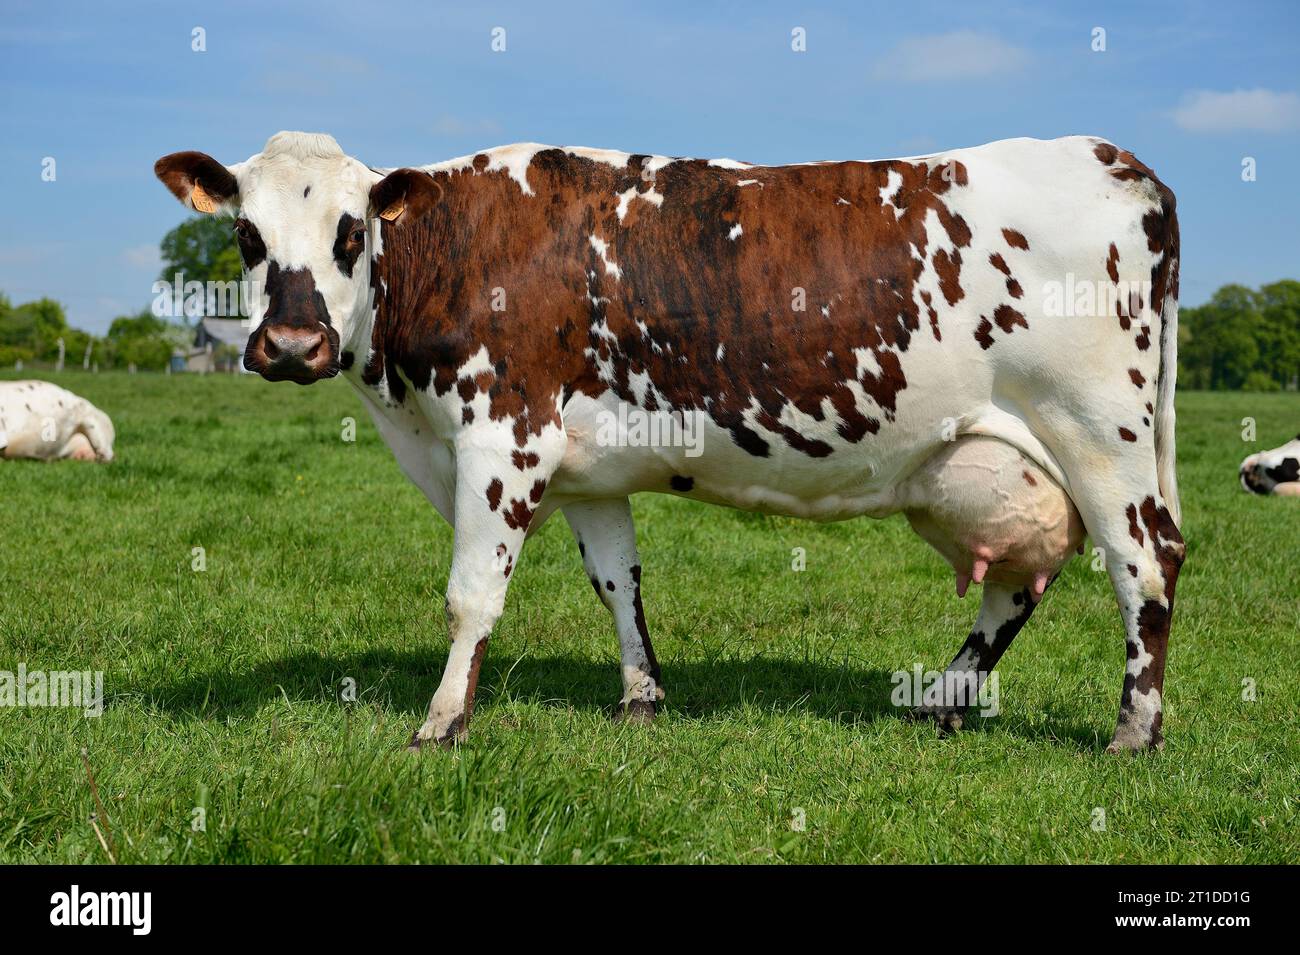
(395, 210)
(201, 200)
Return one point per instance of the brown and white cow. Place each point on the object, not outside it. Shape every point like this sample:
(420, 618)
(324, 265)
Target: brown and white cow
(983, 339)
(45, 422)
(1273, 472)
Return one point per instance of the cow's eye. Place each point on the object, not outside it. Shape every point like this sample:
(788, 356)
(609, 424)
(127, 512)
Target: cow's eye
(241, 228)
(358, 235)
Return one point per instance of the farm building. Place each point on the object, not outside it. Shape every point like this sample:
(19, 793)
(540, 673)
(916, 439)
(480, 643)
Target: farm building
(218, 346)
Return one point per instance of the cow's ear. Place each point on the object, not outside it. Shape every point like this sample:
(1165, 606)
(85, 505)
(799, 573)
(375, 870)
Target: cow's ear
(404, 195)
(198, 181)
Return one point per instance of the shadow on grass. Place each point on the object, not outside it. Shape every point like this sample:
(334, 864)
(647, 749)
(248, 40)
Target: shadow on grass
(404, 681)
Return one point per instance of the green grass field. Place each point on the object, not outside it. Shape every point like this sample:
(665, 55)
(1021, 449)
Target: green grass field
(222, 687)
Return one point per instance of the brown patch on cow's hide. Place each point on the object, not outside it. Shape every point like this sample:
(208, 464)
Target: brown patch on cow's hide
(1134, 531)
(494, 490)
(1154, 617)
(1127, 435)
(471, 685)
(678, 274)
(1137, 377)
(1008, 318)
(1143, 338)
(927, 301)
(948, 268)
(1015, 239)
(999, 263)
(518, 515)
(538, 489)
(524, 460)
(1112, 263)
(1029, 479)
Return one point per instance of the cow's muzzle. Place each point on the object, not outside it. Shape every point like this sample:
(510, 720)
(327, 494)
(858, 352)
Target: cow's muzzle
(1253, 479)
(293, 353)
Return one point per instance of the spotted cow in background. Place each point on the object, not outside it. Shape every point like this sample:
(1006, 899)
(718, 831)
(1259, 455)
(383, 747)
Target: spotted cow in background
(43, 421)
(1273, 472)
(852, 337)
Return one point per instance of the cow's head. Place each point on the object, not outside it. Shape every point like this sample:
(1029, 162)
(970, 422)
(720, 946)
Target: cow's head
(99, 431)
(306, 220)
(1273, 472)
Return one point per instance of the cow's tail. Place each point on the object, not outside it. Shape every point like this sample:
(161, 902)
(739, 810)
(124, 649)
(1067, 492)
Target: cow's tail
(1167, 280)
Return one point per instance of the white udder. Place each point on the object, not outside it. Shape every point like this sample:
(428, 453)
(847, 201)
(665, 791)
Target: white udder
(989, 510)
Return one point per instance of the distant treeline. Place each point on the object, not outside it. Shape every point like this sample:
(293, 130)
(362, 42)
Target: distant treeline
(30, 333)
(199, 249)
(1242, 339)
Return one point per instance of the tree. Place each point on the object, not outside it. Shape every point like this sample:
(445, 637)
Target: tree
(1221, 347)
(201, 249)
(35, 326)
(143, 340)
(1242, 339)
(1279, 307)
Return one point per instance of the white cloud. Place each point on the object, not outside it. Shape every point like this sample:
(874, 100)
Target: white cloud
(1259, 110)
(963, 54)
(143, 256)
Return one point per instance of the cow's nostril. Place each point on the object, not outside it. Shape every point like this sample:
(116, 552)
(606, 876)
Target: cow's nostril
(314, 351)
(269, 349)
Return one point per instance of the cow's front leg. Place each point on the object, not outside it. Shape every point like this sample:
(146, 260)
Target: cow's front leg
(607, 542)
(494, 505)
(1003, 611)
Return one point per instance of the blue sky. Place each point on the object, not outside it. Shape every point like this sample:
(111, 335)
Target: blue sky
(1192, 88)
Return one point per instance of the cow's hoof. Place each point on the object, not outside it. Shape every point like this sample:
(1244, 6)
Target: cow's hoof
(456, 733)
(946, 721)
(1127, 745)
(635, 712)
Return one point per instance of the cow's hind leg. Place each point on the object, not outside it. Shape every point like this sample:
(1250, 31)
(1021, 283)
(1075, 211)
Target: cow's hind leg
(1003, 611)
(607, 542)
(1144, 551)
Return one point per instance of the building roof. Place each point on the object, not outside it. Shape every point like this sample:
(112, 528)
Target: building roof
(226, 331)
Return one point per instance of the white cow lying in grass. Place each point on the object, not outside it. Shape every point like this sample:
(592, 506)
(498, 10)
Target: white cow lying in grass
(1274, 472)
(43, 421)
